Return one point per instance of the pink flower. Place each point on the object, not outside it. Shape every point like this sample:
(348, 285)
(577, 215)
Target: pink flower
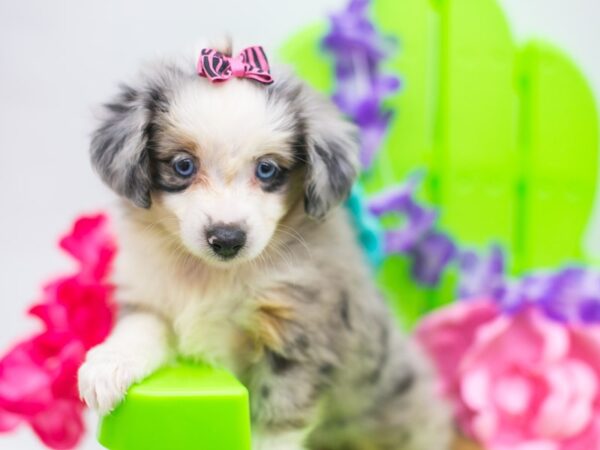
(38, 376)
(77, 306)
(92, 245)
(520, 382)
(37, 385)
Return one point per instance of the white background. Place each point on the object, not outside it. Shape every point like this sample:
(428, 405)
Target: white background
(60, 58)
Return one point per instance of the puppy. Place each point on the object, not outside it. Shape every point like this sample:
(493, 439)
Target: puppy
(234, 250)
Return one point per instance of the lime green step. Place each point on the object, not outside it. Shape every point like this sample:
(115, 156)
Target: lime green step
(181, 407)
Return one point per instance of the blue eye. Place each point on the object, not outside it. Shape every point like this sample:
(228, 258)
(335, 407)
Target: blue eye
(266, 170)
(184, 167)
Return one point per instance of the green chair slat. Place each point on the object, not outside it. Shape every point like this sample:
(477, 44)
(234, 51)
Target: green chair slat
(413, 24)
(559, 147)
(407, 299)
(476, 151)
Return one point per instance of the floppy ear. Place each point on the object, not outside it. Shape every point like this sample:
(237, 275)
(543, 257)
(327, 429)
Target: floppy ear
(332, 156)
(119, 148)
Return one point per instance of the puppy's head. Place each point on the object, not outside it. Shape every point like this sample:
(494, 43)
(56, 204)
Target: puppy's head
(220, 165)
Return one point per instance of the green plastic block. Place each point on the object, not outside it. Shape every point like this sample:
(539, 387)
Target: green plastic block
(181, 407)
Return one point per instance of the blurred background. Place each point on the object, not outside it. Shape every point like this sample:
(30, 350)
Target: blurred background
(60, 59)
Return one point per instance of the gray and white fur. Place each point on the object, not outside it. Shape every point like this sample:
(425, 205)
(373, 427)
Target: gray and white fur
(261, 276)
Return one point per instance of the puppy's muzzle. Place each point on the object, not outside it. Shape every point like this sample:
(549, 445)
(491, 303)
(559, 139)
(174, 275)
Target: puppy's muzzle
(226, 240)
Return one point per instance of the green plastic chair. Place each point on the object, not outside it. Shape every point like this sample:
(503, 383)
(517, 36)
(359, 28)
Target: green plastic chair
(508, 135)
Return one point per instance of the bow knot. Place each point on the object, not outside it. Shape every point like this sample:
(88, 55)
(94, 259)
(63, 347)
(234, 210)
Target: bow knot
(251, 63)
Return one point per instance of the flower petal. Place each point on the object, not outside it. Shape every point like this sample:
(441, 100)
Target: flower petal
(512, 394)
(61, 426)
(8, 421)
(447, 334)
(475, 388)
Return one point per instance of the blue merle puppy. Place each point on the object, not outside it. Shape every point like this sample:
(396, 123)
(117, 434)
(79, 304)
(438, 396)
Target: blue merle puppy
(234, 250)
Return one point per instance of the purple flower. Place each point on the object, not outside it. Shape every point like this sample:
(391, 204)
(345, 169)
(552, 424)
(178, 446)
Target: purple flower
(352, 32)
(523, 292)
(431, 256)
(430, 251)
(589, 310)
(570, 295)
(358, 50)
(401, 202)
(396, 199)
(419, 222)
(482, 275)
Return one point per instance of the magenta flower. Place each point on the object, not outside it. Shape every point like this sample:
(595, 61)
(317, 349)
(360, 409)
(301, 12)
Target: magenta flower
(92, 246)
(38, 376)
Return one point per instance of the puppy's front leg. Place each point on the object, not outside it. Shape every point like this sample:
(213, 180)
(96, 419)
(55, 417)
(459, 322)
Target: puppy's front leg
(284, 398)
(138, 345)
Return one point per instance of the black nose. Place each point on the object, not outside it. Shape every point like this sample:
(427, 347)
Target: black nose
(226, 240)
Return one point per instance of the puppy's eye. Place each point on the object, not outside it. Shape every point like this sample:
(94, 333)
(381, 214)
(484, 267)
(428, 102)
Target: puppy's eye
(266, 170)
(184, 167)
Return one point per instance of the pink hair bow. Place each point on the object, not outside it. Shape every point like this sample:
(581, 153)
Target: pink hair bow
(250, 63)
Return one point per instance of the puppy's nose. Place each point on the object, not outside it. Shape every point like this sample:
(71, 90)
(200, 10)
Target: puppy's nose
(226, 240)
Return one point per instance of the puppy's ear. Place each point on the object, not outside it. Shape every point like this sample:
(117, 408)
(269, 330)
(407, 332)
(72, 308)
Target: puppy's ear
(119, 148)
(332, 155)
(325, 141)
(332, 160)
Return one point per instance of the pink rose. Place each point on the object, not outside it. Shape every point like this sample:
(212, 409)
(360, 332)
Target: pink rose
(520, 382)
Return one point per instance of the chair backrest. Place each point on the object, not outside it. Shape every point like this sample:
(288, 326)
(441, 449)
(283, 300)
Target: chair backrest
(508, 133)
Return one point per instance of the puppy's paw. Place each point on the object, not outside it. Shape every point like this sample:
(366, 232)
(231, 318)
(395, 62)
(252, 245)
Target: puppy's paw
(291, 440)
(106, 375)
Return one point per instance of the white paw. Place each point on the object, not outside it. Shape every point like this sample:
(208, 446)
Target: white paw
(106, 375)
(291, 440)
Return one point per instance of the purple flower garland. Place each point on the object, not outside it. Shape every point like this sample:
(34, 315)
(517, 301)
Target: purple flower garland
(429, 250)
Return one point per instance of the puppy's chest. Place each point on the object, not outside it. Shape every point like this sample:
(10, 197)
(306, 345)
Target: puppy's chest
(209, 326)
(232, 328)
